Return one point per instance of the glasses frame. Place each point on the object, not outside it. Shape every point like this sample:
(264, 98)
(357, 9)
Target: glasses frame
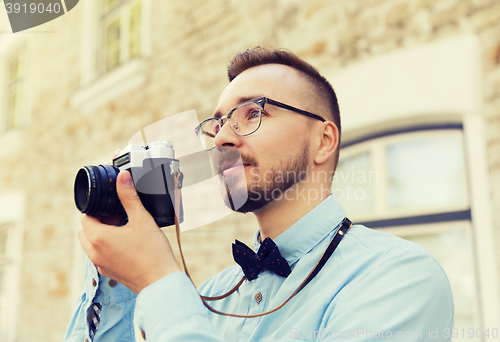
(261, 102)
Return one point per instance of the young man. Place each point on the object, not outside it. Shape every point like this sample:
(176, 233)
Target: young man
(282, 117)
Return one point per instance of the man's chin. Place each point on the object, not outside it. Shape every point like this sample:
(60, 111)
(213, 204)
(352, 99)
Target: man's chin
(242, 200)
(250, 206)
(234, 193)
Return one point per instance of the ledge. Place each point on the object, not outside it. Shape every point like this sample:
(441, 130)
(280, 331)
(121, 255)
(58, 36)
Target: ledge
(119, 81)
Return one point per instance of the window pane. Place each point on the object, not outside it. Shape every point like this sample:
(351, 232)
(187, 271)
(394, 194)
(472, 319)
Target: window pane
(135, 31)
(113, 44)
(15, 92)
(121, 23)
(353, 183)
(426, 173)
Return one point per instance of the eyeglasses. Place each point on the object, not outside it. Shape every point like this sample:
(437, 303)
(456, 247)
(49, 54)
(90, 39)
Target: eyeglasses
(244, 119)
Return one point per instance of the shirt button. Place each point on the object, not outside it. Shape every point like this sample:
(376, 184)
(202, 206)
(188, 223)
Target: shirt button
(112, 282)
(258, 298)
(86, 340)
(94, 283)
(143, 334)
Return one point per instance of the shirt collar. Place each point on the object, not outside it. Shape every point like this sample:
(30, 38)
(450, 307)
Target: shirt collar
(307, 232)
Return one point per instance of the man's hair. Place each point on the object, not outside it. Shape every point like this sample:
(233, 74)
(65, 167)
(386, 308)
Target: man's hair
(261, 56)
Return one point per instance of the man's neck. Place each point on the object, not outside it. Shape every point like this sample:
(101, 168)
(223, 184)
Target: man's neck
(278, 216)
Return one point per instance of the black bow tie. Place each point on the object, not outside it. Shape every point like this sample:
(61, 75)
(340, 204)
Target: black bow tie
(268, 256)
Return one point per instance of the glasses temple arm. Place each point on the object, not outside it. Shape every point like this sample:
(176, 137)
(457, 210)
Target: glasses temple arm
(293, 109)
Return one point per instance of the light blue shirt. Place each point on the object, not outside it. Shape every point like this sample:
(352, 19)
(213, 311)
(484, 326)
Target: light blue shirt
(374, 286)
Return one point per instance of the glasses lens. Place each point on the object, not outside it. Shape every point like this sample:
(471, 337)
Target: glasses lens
(246, 118)
(208, 131)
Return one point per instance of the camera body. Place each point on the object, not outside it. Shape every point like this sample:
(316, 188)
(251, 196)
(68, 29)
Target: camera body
(152, 168)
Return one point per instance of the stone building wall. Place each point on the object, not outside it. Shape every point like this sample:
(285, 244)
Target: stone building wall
(191, 43)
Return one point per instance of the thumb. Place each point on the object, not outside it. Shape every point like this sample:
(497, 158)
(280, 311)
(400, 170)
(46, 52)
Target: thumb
(128, 196)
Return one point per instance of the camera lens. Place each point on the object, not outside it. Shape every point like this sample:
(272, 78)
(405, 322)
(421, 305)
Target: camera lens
(95, 190)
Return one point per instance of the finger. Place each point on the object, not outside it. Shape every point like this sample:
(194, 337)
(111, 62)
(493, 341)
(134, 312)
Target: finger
(129, 198)
(93, 230)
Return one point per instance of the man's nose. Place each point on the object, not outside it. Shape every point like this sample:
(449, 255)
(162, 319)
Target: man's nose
(227, 137)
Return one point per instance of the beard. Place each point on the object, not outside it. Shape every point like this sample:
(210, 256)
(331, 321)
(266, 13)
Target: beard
(261, 190)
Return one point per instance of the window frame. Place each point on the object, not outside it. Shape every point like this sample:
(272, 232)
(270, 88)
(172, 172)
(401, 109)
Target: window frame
(120, 12)
(98, 88)
(376, 145)
(10, 86)
(473, 218)
(14, 138)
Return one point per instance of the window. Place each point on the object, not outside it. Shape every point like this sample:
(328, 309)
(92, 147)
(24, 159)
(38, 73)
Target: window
(120, 23)
(115, 45)
(16, 80)
(414, 184)
(403, 175)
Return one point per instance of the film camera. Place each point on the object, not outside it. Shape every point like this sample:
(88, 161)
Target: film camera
(152, 168)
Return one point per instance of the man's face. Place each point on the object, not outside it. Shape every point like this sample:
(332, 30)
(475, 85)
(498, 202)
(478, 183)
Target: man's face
(277, 155)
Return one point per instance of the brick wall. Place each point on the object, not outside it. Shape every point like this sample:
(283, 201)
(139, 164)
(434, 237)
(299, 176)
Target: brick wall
(191, 45)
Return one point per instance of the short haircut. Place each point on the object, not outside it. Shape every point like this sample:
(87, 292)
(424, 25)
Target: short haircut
(260, 56)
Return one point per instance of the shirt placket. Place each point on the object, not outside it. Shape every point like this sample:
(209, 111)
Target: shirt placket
(258, 299)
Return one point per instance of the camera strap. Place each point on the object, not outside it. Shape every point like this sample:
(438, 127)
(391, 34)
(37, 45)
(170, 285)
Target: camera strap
(339, 234)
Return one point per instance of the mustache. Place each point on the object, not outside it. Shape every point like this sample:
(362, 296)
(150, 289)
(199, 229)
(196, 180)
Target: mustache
(224, 158)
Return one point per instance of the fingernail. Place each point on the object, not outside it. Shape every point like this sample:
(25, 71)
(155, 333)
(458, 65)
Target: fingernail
(127, 179)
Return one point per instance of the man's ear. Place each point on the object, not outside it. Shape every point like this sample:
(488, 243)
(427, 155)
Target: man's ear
(329, 142)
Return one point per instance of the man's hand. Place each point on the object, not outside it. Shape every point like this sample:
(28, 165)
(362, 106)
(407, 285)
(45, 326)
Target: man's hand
(137, 254)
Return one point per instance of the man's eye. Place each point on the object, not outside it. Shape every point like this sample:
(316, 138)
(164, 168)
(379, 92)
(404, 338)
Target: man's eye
(254, 114)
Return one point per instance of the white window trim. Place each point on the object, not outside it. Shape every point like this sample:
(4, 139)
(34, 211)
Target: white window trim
(12, 210)
(96, 90)
(482, 220)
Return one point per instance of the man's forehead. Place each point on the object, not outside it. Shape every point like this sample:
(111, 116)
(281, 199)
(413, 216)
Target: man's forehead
(276, 81)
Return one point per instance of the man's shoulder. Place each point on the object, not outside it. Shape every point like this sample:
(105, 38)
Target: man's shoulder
(363, 239)
(368, 250)
(377, 271)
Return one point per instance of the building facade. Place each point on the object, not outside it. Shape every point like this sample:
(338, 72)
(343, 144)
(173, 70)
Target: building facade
(418, 83)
